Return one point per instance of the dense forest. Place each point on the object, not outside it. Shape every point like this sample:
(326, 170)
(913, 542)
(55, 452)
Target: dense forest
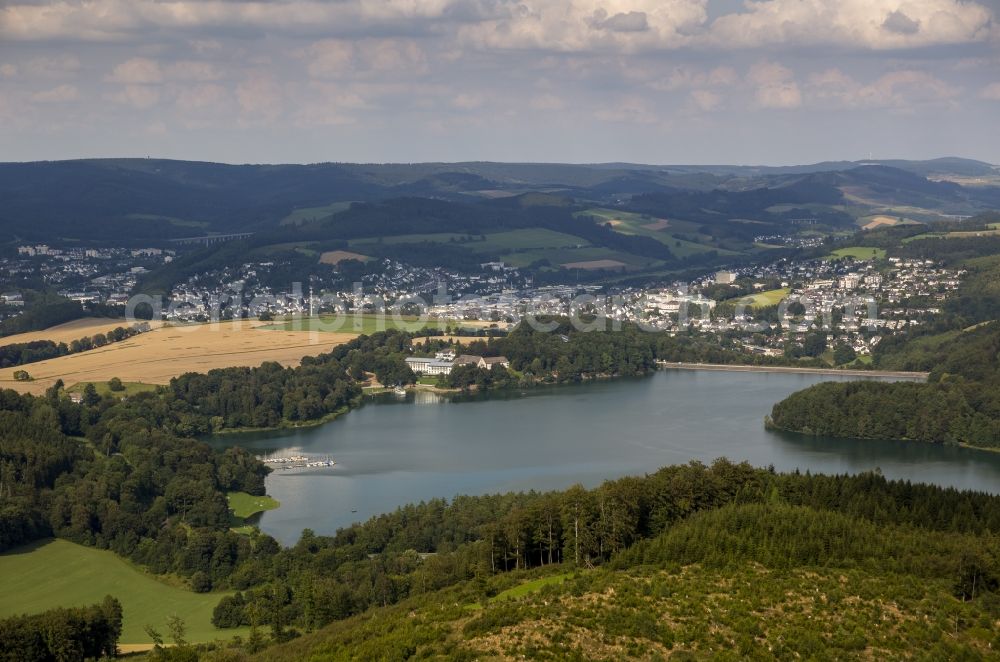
(693, 518)
(63, 634)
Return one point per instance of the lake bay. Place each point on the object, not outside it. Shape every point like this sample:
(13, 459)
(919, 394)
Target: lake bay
(394, 451)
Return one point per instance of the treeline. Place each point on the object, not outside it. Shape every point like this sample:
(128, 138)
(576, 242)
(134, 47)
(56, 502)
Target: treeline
(557, 351)
(80, 633)
(423, 548)
(271, 395)
(17, 354)
(41, 312)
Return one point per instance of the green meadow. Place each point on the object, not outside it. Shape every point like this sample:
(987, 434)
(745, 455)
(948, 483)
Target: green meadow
(858, 253)
(58, 573)
(312, 214)
(244, 505)
(763, 299)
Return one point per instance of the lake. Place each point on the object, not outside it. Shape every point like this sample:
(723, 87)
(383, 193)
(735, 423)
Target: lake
(394, 451)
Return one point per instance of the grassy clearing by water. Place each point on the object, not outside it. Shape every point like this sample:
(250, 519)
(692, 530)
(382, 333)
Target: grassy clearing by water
(58, 573)
(244, 505)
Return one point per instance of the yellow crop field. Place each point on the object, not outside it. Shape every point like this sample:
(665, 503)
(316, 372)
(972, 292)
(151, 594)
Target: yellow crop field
(157, 356)
(70, 331)
(336, 257)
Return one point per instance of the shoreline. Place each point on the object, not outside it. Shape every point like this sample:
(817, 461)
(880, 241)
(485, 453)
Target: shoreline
(723, 367)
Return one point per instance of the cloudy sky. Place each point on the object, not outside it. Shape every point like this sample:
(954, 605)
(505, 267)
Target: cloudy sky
(652, 81)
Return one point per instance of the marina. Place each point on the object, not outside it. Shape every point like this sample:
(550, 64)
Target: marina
(296, 462)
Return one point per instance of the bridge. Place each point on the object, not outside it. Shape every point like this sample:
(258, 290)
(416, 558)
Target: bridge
(208, 240)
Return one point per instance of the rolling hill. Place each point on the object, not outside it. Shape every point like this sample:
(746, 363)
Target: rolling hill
(155, 199)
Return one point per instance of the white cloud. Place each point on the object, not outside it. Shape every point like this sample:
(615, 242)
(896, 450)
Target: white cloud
(706, 100)
(208, 97)
(193, 70)
(393, 55)
(589, 25)
(137, 96)
(991, 92)
(775, 86)
(870, 24)
(631, 110)
(60, 94)
(902, 89)
(114, 20)
(466, 101)
(329, 104)
(137, 70)
(684, 77)
(551, 25)
(329, 58)
(260, 98)
(547, 102)
(55, 67)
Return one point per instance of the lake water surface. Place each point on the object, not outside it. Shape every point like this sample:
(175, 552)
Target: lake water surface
(394, 451)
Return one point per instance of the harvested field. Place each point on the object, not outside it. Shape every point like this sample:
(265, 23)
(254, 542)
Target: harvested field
(661, 224)
(336, 257)
(157, 356)
(595, 264)
(70, 331)
(877, 221)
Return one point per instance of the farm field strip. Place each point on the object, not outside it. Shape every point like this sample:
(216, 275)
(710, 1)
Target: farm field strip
(158, 356)
(70, 331)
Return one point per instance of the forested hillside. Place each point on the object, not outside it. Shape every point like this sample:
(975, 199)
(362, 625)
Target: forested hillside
(690, 558)
(961, 349)
(154, 199)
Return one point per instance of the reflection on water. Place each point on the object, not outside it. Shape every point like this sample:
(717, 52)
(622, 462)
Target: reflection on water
(390, 453)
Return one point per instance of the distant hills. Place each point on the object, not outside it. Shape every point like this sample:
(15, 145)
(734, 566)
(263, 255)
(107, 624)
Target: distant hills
(155, 199)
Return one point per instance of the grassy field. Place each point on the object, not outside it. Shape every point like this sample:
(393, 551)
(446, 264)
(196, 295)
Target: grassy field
(527, 588)
(366, 324)
(244, 505)
(662, 230)
(157, 356)
(858, 253)
(58, 573)
(763, 299)
(313, 214)
(531, 238)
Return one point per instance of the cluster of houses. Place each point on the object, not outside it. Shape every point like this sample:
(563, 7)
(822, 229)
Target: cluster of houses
(443, 362)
